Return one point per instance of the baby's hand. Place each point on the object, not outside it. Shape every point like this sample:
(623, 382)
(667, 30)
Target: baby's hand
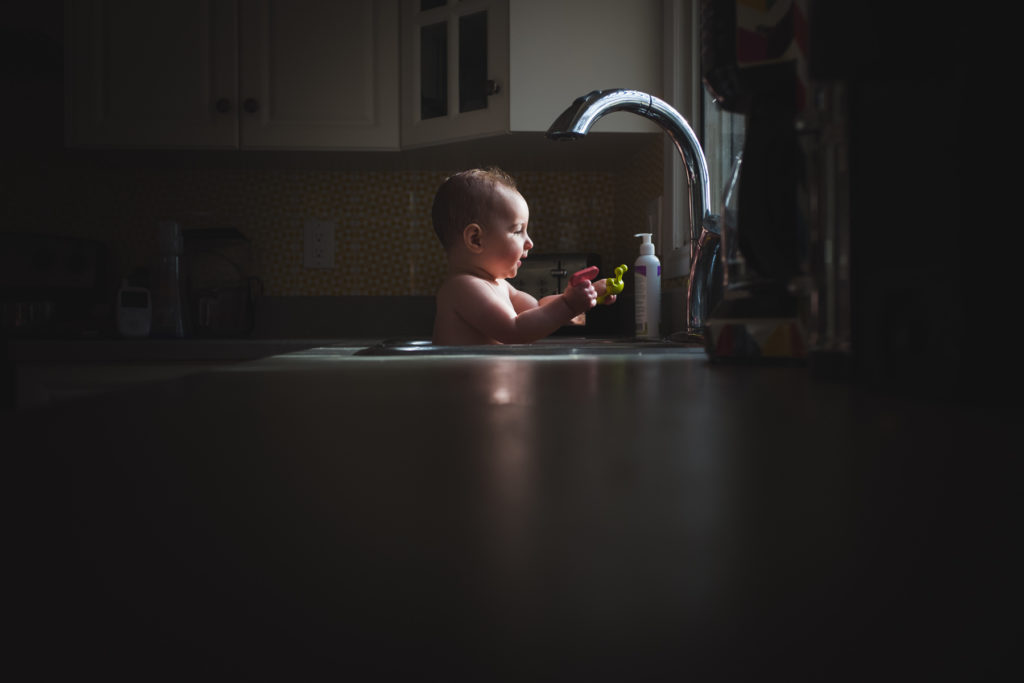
(580, 295)
(608, 288)
(604, 294)
(580, 298)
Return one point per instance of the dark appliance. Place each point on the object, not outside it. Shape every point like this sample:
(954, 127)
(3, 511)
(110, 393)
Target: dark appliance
(53, 287)
(754, 70)
(221, 282)
(854, 184)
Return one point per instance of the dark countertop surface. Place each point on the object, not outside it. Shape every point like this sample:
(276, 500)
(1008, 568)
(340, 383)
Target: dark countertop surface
(163, 350)
(520, 518)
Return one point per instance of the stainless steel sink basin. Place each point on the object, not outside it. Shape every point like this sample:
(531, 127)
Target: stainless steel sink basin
(560, 346)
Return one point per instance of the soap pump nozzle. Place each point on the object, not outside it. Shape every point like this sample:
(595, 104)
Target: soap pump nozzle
(646, 247)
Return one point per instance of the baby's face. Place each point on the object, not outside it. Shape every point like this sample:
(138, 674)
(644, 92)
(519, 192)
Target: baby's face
(505, 240)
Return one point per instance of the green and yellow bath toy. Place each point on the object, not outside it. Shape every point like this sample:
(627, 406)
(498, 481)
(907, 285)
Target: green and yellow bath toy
(613, 285)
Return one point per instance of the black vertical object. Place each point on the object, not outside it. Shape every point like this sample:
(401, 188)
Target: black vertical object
(917, 296)
(473, 62)
(767, 205)
(922, 295)
(434, 71)
(766, 96)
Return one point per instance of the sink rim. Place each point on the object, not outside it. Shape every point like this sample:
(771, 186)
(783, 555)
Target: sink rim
(561, 346)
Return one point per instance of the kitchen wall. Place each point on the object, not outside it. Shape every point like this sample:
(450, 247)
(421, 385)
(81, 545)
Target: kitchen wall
(385, 243)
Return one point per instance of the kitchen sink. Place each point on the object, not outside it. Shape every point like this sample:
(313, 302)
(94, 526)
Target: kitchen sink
(559, 346)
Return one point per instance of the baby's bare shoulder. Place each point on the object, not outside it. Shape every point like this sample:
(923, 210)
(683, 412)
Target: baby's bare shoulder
(466, 282)
(462, 279)
(469, 292)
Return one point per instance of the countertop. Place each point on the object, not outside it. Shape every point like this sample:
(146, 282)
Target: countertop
(165, 350)
(520, 518)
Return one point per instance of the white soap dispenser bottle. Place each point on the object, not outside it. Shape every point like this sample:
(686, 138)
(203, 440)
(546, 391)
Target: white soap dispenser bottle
(647, 283)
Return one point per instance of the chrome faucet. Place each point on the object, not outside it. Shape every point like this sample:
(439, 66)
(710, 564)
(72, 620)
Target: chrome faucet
(575, 122)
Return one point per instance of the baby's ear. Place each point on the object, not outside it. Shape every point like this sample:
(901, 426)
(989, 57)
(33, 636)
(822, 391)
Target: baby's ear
(472, 237)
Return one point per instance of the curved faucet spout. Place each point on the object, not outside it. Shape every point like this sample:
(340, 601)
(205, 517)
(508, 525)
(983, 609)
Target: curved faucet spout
(576, 121)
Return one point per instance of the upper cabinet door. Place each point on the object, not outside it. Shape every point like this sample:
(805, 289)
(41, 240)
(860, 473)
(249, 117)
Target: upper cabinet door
(257, 74)
(454, 70)
(319, 74)
(152, 74)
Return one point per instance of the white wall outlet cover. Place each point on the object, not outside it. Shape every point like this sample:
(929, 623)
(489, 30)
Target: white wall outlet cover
(318, 244)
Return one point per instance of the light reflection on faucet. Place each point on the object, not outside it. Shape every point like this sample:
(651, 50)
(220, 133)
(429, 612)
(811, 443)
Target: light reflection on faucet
(576, 121)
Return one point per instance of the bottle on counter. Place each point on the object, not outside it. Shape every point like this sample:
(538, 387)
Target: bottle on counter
(168, 296)
(647, 283)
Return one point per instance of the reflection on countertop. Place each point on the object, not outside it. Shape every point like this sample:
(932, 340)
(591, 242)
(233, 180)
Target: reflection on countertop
(521, 518)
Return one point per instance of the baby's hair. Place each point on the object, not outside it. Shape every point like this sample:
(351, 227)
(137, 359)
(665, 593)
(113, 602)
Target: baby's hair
(466, 197)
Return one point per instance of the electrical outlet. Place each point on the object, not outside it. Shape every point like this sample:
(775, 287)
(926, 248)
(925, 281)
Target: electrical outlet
(318, 244)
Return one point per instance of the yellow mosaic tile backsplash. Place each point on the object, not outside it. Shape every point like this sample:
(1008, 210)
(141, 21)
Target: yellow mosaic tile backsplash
(385, 243)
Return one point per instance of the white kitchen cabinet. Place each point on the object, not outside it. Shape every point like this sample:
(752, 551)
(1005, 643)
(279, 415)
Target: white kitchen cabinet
(319, 74)
(454, 70)
(475, 68)
(151, 73)
(251, 74)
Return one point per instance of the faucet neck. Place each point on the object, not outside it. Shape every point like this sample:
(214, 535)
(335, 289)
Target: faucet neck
(577, 120)
(695, 164)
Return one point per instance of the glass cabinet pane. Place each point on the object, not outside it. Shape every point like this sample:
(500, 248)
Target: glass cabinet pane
(434, 70)
(473, 62)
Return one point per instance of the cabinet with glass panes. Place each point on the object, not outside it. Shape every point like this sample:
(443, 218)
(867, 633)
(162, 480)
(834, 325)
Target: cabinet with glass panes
(478, 68)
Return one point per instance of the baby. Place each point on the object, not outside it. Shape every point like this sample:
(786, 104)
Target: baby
(481, 220)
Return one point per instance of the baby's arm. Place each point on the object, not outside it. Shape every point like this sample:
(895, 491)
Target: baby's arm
(480, 307)
(581, 292)
(551, 312)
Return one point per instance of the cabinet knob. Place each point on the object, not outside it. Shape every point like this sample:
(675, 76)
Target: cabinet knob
(223, 105)
(493, 88)
(251, 105)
